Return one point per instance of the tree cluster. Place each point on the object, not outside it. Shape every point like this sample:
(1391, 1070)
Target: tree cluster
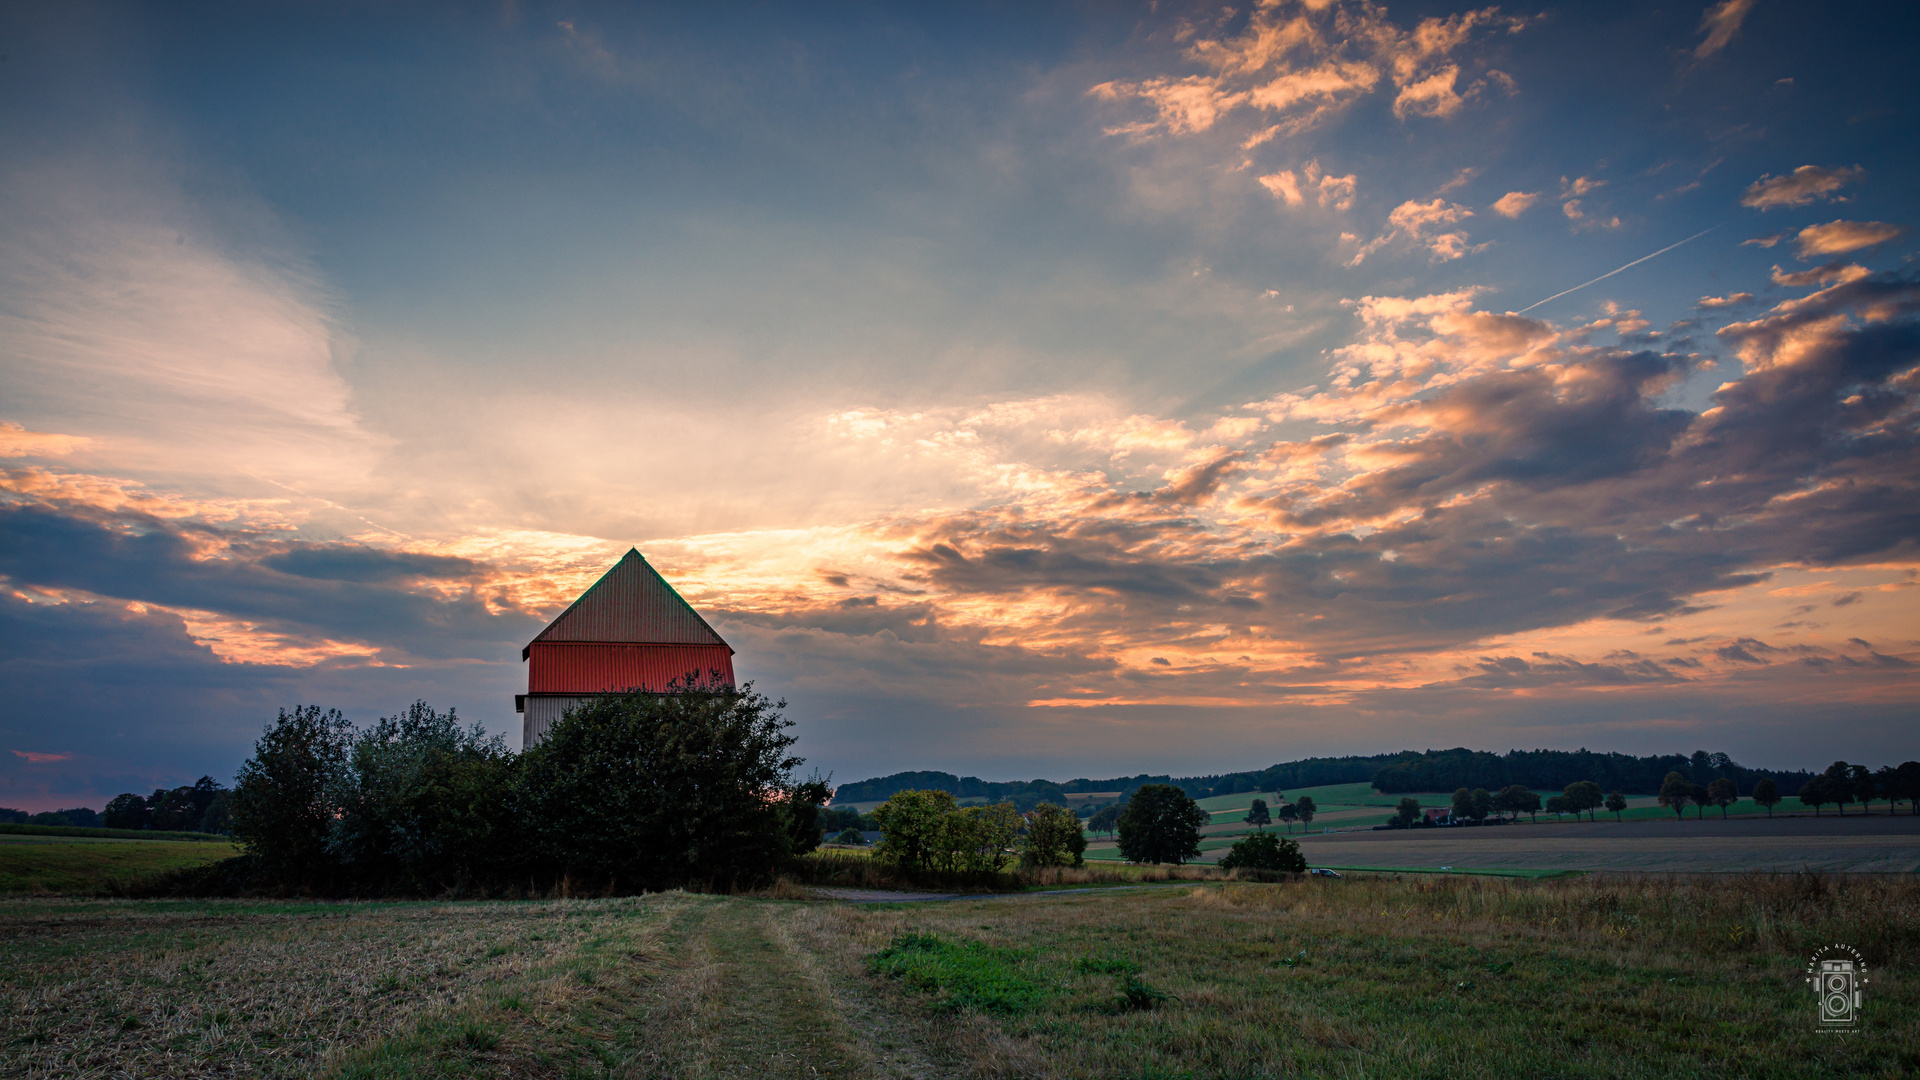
(929, 831)
(79, 815)
(203, 806)
(1443, 770)
(631, 792)
(1842, 785)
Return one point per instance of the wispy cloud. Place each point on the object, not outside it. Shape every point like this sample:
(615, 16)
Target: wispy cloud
(1720, 23)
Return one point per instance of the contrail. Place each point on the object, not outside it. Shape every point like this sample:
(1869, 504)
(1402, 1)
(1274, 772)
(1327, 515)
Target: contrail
(1629, 266)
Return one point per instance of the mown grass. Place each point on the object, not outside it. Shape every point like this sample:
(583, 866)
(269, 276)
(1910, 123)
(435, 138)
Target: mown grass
(1600, 976)
(1372, 975)
(97, 866)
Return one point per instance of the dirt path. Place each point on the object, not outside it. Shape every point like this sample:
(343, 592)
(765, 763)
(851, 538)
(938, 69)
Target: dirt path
(760, 1001)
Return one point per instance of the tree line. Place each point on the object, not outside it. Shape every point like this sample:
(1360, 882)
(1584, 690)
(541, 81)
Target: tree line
(1404, 771)
(202, 806)
(79, 815)
(1447, 770)
(695, 787)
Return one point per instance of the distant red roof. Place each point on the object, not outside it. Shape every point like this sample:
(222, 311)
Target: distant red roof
(632, 605)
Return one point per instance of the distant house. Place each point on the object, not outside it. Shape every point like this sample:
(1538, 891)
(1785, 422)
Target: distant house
(630, 631)
(1439, 815)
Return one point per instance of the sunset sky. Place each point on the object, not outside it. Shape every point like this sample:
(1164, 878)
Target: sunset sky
(1022, 390)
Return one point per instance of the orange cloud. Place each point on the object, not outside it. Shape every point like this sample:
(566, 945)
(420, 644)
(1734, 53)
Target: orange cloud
(1840, 237)
(1806, 184)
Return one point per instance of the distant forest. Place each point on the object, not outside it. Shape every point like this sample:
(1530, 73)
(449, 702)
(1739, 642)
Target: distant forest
(1406, 771)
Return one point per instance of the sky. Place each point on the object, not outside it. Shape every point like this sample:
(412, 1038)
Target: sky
(1023, 390)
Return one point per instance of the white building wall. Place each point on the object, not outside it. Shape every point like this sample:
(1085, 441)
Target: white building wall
(540, 714)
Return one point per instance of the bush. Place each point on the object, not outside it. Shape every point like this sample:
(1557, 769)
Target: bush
(646, 791)
(1054, 838)
(1264, 851)
(284, 803)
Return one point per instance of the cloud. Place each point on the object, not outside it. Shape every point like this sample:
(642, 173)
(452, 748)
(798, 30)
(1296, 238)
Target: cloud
(1806, 184)
(1515, 203)
(1294, 65)
(1420, 222)
(162, 343)
(18, 442)
(1764, 241)
(41, 759)
(1720, 23)
(1712, 302)
(1840, 237)
(1332, 192)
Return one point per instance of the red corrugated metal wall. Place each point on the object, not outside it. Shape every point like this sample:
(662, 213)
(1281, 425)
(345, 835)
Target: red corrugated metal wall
(599, 667)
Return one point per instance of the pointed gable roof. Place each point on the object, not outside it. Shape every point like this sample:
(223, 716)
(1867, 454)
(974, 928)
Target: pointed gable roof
(631, 604)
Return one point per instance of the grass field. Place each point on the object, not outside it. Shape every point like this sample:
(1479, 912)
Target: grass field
(39, 864)
(1367, 976)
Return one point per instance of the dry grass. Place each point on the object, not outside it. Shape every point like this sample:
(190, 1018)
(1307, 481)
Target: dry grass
(1604, 976)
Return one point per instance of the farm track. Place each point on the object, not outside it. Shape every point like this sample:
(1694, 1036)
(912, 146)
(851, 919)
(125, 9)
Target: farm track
(736, 989)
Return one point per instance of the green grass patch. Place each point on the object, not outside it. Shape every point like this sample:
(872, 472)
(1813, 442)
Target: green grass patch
(966, 974)
(94, 867)
(77, 831)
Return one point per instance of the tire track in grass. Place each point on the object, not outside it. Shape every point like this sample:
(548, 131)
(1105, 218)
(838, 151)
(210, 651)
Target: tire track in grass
(763, 1015)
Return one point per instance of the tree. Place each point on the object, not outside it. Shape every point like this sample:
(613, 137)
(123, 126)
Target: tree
(1105, 820)
(1305, 809)
(1289, 814)
(1051, 832)
(1161, 824)
(1264, 851)
(853, 837)
(1522, 799)
(1257, 815)
(910, 824)
(1462, 807)
(1902, 782)
(1408, 813)
(407, 812)
(285, 798)
(1515, 799)
(1616, 802)
(126, 811)
(1584, 795)
(646, 791)
(1723, 793)
(1700, 801)
(1676, 792)
(1840, 792)
(1865, 788)
(1767, 794)
(1558, 805)
(979, 840)
(1482, 804)
(1816, 793)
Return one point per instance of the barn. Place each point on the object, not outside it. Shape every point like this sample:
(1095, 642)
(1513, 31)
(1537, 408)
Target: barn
(630, 631)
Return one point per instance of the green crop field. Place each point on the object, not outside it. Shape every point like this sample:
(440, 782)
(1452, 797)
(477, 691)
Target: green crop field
(1369, 976)
(39, 864)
